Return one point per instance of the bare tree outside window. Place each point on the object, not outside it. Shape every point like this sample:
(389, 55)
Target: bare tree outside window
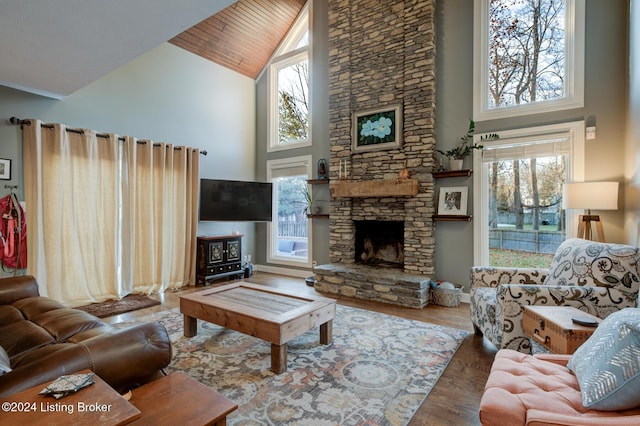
(526, 51)
(293, 103)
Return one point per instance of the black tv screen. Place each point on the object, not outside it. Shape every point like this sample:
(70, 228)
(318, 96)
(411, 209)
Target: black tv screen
(232, 200)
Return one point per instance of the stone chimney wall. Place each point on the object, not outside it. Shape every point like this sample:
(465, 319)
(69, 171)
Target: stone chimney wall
(382, 53)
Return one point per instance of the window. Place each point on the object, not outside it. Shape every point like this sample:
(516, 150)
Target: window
(289, 117)
(520, 220)
(289, 233)
(528, 57)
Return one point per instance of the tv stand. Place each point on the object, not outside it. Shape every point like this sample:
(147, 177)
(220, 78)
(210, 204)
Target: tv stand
(218, 257)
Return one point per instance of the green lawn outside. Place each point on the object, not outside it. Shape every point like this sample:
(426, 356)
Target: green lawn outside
(519, 259)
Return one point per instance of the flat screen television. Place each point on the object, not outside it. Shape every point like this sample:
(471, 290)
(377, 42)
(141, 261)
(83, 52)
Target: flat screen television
(232, 200)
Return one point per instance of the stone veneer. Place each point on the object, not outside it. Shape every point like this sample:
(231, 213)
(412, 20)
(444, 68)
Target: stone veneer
(382, 54)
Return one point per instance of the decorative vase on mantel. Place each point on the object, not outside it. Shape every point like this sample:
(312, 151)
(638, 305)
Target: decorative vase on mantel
(455, 164)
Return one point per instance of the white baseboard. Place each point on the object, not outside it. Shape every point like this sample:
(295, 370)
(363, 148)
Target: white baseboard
(300, 273)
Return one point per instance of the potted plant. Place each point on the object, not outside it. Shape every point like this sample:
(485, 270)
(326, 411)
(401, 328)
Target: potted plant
(457, 155)
(309, 200)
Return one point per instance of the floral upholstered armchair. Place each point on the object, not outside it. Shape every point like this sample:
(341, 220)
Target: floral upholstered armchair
(598, 278)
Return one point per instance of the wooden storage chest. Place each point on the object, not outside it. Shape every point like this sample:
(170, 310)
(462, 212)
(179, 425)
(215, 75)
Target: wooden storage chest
(552, 327)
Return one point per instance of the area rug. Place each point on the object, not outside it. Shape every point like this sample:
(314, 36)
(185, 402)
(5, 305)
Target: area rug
(377, 371)
(131, 302)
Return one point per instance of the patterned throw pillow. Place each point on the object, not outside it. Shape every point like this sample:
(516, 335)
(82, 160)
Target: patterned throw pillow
(607, 365)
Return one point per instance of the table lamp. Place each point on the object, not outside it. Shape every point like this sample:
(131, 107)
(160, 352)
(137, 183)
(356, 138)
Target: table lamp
(590, 195)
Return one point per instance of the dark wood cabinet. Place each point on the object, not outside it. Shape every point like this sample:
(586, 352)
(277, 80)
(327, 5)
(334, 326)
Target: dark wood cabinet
(217, 257)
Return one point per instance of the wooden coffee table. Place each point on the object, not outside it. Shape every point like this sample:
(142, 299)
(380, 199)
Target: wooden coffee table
(270, 314)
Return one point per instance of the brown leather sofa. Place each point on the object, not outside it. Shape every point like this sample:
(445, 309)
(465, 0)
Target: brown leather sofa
(43, 340)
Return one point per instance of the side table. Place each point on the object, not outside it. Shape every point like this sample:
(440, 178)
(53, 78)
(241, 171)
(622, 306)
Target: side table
(97, 404)
(552, 327)
(179, 399)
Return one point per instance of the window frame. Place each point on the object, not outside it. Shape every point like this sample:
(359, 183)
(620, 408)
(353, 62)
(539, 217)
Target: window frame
(285, 55)
(574, 130)
(272, 235)
(574, 66)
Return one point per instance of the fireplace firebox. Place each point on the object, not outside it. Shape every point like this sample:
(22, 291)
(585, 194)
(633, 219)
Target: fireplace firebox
(379, 243)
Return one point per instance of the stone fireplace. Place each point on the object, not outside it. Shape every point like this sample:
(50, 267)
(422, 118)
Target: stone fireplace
(381, 54)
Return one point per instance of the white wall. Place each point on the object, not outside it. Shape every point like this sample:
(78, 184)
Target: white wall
(167, 95)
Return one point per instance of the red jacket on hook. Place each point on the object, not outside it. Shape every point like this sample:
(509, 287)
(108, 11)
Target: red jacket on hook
(13, 233)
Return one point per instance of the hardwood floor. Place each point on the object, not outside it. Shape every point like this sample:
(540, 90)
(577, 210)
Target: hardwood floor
(455, 398)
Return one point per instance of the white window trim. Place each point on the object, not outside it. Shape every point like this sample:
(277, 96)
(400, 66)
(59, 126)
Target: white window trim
(574, 65)
(272, 243)
(576, 132)
(278, 59)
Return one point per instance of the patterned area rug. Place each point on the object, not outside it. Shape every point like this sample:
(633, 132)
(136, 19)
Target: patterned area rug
(129, 303)
(377, 371)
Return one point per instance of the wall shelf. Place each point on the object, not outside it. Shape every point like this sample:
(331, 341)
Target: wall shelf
(318, 181)
(374, 188)
(318, 215)
(451, 218)
(452, 173)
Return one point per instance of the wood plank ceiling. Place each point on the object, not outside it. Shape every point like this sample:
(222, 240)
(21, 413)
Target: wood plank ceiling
(242, 36)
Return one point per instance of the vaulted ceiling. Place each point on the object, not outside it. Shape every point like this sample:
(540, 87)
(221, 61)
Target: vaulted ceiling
(243, 36)
(55, 48)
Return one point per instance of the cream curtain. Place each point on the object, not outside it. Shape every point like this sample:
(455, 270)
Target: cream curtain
(161, 187)
(109, 218)
(71, 187)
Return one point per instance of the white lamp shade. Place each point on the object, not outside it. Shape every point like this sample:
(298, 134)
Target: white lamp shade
(591, 195)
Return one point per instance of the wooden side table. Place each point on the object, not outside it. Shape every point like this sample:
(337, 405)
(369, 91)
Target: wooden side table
(553, 328)
(179, 399)
(96, 404)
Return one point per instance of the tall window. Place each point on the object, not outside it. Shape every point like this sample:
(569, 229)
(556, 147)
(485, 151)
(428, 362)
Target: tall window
(519, 210)
(289, 233)
(289, 90)
(529, 57)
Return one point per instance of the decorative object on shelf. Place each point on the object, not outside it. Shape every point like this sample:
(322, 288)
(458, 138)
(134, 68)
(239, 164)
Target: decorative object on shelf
(457, 155)
(309, 199)
(5, 169)
(453, 200)
(403, 174)
(323, 172)
(343, 171)
(377, 129)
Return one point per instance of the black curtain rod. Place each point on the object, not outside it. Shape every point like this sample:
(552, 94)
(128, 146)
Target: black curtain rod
(18, 122)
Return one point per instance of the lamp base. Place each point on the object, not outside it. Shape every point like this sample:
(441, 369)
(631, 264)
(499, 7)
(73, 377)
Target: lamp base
(584, 227)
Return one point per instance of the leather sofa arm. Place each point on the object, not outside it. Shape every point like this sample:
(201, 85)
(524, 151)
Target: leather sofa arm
(124, 358)
(487, 276)
(16, 288)
(129, 357)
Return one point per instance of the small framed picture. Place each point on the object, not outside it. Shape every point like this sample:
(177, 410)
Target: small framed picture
(453, 200)
(377, 129)
(5, 169)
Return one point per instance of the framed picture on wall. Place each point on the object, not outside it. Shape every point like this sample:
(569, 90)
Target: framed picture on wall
(5, 169)
(453, 200)
(377, 129)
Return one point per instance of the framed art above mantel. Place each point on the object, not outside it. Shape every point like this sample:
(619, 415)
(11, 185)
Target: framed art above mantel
(377, 129)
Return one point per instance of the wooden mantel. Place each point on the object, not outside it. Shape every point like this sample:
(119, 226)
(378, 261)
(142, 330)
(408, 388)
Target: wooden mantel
(374, 188)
